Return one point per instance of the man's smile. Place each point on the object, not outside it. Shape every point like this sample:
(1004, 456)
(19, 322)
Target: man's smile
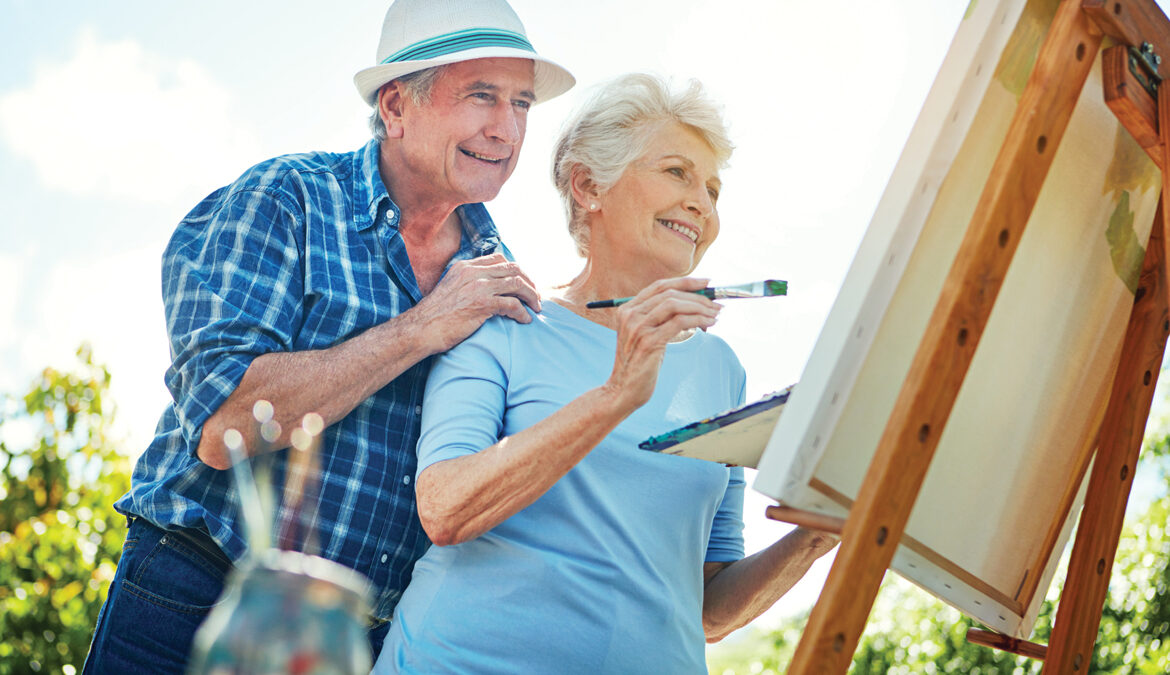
(483, 158)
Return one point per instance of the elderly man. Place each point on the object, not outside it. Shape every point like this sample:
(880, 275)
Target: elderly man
(323, 283)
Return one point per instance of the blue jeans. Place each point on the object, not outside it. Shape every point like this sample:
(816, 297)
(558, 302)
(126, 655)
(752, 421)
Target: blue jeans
(165, 586)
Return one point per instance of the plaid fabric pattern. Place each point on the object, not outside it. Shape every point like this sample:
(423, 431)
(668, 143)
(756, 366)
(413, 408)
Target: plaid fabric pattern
(300, 253)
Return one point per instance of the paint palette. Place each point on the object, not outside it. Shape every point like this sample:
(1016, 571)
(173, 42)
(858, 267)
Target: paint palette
(737, 436)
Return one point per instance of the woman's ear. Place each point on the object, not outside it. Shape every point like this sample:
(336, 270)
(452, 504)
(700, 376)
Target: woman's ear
(390, 100)
(584, 190)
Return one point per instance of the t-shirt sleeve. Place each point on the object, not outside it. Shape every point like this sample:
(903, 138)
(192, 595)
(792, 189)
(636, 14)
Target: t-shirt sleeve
(463, 407)
(231, 287)
(726, 542)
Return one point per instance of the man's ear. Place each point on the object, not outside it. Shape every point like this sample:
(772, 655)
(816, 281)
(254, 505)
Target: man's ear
(390, 100)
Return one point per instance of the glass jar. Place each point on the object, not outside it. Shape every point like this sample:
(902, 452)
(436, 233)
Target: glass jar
(286, 612)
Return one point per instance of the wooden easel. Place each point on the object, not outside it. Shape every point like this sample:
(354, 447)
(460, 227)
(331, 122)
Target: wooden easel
(882, 508)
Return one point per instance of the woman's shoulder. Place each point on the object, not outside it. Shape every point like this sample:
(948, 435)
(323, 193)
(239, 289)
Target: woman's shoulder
(500, 331)
(716, 351)
(715, 345)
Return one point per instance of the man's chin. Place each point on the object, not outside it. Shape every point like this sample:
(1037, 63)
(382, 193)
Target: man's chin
(475, 194)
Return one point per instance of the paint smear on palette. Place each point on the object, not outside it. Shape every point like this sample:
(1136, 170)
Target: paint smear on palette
(1130, 170)
(1019, 56)
(720, 421)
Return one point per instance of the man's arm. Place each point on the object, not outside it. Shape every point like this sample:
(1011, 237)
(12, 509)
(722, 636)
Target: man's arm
(332, 382)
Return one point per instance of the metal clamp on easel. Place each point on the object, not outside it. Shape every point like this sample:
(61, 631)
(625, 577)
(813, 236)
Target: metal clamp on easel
(1143, 63)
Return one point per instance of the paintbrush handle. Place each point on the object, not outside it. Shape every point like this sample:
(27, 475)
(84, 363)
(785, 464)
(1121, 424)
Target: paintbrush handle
(603, 304)
(617, 302)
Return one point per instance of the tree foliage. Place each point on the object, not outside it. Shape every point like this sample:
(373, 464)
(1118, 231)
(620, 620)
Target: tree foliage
(60, 537)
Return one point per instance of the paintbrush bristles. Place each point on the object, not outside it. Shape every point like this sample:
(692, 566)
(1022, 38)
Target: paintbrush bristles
(313, 423)
(263, 411)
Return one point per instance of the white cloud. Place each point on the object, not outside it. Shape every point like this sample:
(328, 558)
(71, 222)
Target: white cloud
(113, 302)
(117, 121)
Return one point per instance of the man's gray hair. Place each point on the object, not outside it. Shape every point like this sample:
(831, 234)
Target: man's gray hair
(614, 128)
(418, 86)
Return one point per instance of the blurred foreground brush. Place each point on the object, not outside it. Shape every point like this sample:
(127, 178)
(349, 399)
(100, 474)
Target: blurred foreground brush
(283, 611)
(300, 485)
(257, 527)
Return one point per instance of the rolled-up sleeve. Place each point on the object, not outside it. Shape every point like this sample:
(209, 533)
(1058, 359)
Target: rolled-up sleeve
(232, 287)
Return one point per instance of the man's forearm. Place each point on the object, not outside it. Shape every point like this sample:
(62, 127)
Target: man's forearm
(330, 382)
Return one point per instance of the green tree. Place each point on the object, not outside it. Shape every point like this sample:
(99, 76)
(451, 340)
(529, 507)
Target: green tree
(60, 537)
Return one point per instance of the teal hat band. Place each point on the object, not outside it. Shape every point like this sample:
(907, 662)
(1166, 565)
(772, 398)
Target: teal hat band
(459, 41)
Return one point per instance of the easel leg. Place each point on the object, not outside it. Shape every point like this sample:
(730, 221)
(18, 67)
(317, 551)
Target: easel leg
(1070, 650)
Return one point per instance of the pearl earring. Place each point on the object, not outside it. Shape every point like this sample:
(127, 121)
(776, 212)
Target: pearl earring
(593, 206)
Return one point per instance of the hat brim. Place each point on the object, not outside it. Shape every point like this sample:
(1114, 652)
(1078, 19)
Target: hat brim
(551, 80)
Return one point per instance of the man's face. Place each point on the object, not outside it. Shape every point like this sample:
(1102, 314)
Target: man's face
(463, 144)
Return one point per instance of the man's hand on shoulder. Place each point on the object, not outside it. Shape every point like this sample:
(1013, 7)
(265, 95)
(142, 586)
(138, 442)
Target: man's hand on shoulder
(470, 293)
(333, 381)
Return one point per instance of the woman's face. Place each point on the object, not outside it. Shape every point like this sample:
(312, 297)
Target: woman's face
(660, 216)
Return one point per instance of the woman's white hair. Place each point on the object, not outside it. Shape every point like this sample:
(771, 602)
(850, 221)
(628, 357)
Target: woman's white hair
(615, 126)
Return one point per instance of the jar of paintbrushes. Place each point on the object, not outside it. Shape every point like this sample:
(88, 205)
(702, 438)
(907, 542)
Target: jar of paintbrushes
(283, 611)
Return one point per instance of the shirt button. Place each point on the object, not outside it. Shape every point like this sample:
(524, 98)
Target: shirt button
(390, 215)
(406, 480)
(418, 410)
(385, 557)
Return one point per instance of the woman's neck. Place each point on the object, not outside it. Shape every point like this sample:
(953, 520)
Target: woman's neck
(600, 282)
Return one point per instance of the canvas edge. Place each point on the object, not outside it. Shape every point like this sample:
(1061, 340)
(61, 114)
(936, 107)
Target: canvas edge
(800, 436)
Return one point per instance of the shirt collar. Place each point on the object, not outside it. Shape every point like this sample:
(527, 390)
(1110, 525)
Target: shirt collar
(369, 192)
(370, 198)
(478, 229)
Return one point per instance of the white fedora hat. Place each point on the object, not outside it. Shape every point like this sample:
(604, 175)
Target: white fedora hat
(419, 34)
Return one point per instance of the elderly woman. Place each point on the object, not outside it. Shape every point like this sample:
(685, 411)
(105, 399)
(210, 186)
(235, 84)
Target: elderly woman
(559, 545)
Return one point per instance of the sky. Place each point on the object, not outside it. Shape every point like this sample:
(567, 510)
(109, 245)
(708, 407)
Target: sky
(116, 118)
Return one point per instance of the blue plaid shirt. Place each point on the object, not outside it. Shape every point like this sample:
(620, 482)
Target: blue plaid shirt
(301, 252)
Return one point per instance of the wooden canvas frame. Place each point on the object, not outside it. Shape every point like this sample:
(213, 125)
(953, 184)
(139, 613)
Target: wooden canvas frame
(877, 517)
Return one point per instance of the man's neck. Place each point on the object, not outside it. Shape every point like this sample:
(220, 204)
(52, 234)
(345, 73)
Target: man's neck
(422, 216)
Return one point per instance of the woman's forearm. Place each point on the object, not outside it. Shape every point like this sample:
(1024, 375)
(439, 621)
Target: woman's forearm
(739, 592)
(461, 498)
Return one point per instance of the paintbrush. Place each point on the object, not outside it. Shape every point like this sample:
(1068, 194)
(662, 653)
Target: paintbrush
(267, 431)
(257, 527)
(756, 289)
(300, 482)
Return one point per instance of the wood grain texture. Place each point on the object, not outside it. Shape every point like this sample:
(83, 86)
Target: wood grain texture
(1130, 102)
(1132, 22)
(903, 455)
(815, 521)
(1078, 615)
(1006, 643)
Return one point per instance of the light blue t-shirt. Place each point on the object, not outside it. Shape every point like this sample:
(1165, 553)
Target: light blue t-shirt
(604, 572)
